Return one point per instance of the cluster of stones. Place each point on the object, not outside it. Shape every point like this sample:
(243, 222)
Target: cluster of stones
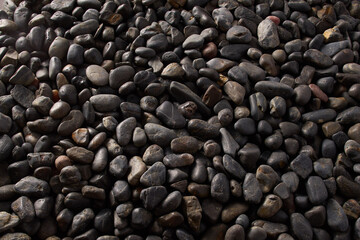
(179, 119)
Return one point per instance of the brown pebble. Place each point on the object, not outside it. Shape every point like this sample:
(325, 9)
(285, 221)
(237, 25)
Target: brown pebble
(318, 92)
(62, 161)
(212, 96)
(210, 50)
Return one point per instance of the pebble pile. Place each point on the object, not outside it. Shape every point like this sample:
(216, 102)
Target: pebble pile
(179, 119)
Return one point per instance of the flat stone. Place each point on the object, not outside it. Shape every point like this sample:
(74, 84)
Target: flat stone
(220, 64)
(152, 196)
(154, 176)
(32, 187)
(170, 115)
(22, 76)
(234, 52)
(158, 134)
(22, 95)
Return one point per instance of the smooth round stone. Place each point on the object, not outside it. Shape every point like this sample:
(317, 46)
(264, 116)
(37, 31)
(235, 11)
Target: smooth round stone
(120, 75)
(153, 154)
(85, 27)
(336, 217)
(316, 190)
(193, 41)
(97, 75)
(173, 71)
(59, 110)
(7, 25)
(157, 42)
(105, 102)
(349, 116)
(68, 93)
(124, 130)
(93, 56)
(185, 144)
(69, 175)
(254, 72)
(301, 226)
(256, 232)
(62, 161)
(238, 34)
(272, 89)
(75, 54)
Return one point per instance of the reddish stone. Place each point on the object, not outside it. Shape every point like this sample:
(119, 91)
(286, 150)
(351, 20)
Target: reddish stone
(275, 19)
(209, 51)
(317, 92)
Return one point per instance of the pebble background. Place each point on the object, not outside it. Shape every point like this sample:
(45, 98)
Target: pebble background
(179, 119)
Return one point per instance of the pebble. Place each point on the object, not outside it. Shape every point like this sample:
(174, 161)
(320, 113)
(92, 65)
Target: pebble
(235, 91)
(80, 154)
(267, 34)
(154, 176)
(220, 188)
(8, 221)
(168, 114)
(272, 89)
(22, 76)
(336, 217)
(193, 212)
(301, 226)
(169, 119)
(251, 189)
(97, 75)
(271, 205)
(70, 123)
(32, 187)
(105, 102)
(302, 165)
